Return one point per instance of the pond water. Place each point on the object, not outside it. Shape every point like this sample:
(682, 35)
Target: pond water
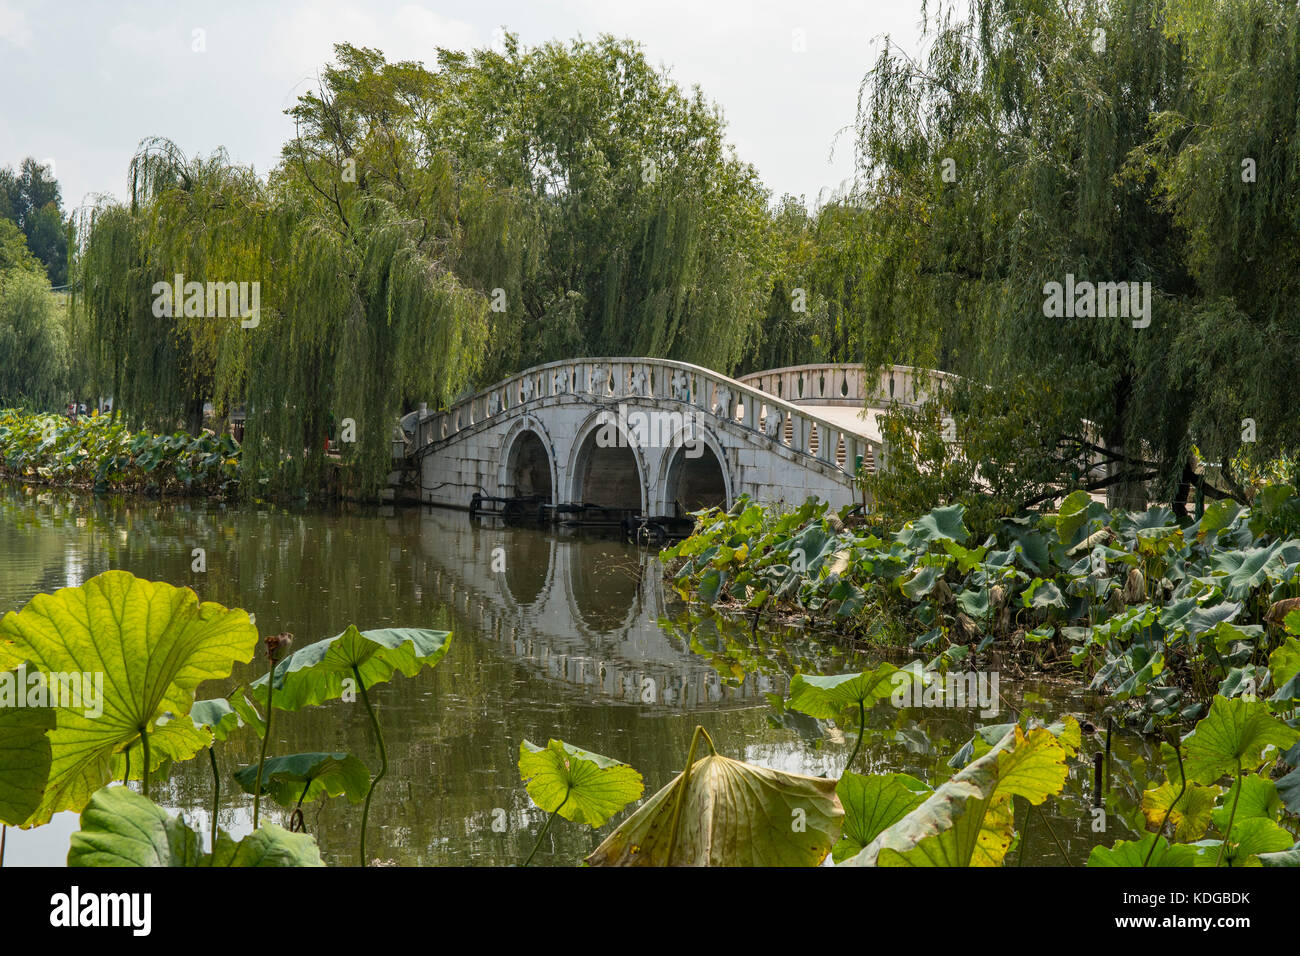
(577, 638)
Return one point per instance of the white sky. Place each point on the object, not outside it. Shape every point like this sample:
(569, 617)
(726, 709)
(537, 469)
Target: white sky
(82, 82)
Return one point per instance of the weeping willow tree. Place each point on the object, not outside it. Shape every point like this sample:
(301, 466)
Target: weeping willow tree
(426, 231)
(1225, 159)
(355, 308)
(1043, 139)
(644, 234)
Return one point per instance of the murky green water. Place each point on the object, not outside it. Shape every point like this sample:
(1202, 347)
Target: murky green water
(565, 642)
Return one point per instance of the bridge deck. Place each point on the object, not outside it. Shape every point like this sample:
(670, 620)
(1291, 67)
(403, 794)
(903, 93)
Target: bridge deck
(859, 421)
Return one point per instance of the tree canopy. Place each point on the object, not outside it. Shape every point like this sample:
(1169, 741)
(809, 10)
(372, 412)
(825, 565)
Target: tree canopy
(1137, 141)
(430, 229)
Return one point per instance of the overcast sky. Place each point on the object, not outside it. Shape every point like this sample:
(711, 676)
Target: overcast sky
(82, 82)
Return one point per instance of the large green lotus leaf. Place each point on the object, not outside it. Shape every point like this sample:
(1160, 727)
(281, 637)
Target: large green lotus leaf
(24, 760)
(1066, 731)
(120, 827)
(1284, 662)
(1218, 515)
(267, 846)
(871, 805)
(1190, 814)
(829, 696)
(1155, 522)
(306, 777)
(1246, 570)
(1248, 840)
(153, 643)
(940, 524)
(1206, 619)
(921, 583)
(1259, 800)
(968, 559)
(1074, 512)
(1041, 593)
(969, 821)
(975, 602)
(1233, 731)
(584, 787)
(1133, 853)
(731, 814)
(247, 713)
(316, 673)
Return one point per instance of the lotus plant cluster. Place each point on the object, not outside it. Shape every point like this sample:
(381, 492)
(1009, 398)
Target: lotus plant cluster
(97, 452)
(1158, 616)
(157, 643)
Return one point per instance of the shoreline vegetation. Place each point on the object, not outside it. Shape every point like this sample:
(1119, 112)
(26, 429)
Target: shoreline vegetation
(1155, 615)
(95, 453)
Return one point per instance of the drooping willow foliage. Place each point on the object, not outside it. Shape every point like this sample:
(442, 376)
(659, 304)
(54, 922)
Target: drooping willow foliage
(1037, 139)
(430, 230)
(426, 231)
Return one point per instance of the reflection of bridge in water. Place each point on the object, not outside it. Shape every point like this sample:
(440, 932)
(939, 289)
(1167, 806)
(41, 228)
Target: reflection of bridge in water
(577, 609)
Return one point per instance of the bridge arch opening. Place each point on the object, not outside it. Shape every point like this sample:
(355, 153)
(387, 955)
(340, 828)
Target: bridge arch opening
(695, 480)
(607, 474)
(528, 467)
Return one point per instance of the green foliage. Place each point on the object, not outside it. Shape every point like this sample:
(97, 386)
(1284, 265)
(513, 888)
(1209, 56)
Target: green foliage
(970, 820)
(1239, 740)
(872, 805)
(1033, 140)
(1161, 615)
(25, 756)
(33, 342)
(722, 812)
(302, 778)
(424, 231)
(121, 828)
(578, 785)
(95, 451)
(31, 200)
(316, 673)
(150, 645)
(637, 231)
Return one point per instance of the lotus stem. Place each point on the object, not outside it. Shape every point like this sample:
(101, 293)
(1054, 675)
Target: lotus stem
(296, 818)
(862, 729)
(383, 760)
(216, 796)
(127, 775)
(4, 834)
(1024, 837)
(1231, 816)
(266, 737)
(1047, 823)
(1110, 725)
(542, 836)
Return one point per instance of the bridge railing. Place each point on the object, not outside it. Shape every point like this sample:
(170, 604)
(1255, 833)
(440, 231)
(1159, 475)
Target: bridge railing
(700, 390)
(842, 384)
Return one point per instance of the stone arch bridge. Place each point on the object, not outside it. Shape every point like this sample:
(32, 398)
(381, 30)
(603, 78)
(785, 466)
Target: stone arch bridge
(658, 437)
